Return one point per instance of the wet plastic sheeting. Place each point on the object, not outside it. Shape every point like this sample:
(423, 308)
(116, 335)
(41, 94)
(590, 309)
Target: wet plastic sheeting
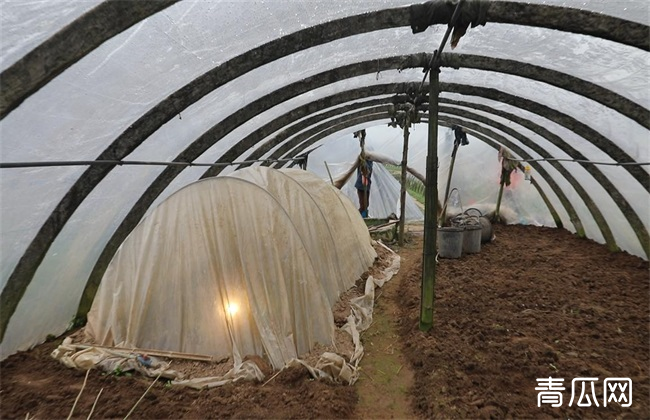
(606, 121)
(27, 198)
(536, 45)
(60, 279)
(125, 63)
(636, 10)
(27, 24)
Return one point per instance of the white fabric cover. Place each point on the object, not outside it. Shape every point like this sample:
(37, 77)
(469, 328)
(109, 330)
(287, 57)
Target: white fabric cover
(325, 235)
(221, 268)
(330, 366)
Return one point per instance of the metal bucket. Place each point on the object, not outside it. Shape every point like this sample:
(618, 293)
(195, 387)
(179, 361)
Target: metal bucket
(450, 242)
(472, 239)
(486, 229)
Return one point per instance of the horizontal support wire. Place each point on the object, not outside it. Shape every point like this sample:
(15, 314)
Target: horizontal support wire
(582, 161)
(14, 165)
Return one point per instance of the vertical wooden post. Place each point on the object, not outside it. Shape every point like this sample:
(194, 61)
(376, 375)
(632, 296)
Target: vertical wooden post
(402, 194)
(496, 217)
(430, 208)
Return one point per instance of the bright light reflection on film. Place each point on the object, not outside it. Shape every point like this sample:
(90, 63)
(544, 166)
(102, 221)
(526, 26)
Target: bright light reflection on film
(232, 308)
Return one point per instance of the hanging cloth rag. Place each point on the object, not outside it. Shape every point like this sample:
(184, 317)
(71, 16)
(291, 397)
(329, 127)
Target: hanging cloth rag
(473, 12)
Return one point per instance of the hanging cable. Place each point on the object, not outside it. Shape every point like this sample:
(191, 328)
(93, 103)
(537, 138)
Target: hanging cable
(13, 165)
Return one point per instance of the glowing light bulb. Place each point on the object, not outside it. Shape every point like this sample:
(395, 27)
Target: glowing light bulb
(232, 309)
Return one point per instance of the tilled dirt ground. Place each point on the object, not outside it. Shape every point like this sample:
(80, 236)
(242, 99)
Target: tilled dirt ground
(536, 303)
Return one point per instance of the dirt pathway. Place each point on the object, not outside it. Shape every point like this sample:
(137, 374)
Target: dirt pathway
(386, 376)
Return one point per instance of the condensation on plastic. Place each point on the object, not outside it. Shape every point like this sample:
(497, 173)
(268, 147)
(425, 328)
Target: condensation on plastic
(521, 202)
(618, 176)
(154, 148)
(25, 193)
(24, 25)
(70, 260)
(221, 268)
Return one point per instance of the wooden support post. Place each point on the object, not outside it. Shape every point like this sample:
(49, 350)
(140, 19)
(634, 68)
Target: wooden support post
(402, 195)
(496, 218)
(430, 208)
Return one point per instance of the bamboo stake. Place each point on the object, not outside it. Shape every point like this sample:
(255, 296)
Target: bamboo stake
(367, 374)
(272, 377)
(79, 395)
(159, 353)
(431, 192)
(145, 393)
(92, 410)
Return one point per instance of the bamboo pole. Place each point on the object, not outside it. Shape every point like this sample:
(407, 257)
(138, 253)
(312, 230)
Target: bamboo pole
(79, 395)
(430, 208)
(92, 409)
(402, 194)
(158, 353)
(140, 399)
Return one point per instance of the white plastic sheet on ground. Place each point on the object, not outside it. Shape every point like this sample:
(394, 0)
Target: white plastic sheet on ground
(110, 360)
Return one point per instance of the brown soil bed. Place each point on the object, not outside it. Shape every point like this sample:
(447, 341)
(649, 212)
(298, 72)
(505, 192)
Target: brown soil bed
(536, 303)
